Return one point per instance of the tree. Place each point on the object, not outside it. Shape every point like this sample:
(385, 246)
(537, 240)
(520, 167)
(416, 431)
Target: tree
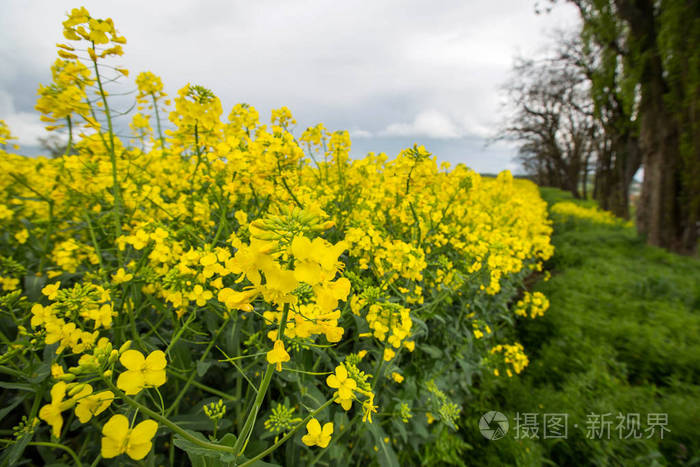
(617, 145)
(658, 44)
(55, 145)
(552, 119)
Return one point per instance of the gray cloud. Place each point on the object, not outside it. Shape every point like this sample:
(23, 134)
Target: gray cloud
(391, 72)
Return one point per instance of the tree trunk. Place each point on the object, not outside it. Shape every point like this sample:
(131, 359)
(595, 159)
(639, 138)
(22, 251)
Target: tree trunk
(627, 162)
(662, 217)
(585, 176)
(658, 216)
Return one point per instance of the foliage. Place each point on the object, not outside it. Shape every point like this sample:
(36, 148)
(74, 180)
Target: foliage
(652, 48)
(569, 210)
(621, 336)
(225, 289)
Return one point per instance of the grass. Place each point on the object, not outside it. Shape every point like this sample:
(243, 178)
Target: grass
(622, 336)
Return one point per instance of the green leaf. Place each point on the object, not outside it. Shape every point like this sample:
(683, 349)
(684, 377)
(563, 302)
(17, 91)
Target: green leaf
(18, 386)
(205, 457)
(40, 373)
(199, 456)
(228, 440)
(33, 285)
(431, 350)
(14, 452)
(193, 421)
(5, 410)
(386, 457)
(202, 367)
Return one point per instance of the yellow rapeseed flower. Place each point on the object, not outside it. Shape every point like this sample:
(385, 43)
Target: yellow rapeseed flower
(277, 355)
(118, 439)
(316, 435)
(397, 377)
(121, 276)
(93, 405)
(141, 372)
(51, 290)
(341, 382)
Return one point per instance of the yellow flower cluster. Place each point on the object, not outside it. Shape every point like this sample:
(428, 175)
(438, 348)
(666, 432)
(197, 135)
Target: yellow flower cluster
(87, 404)
(81, 26)
(513, 356)
(390, 324)
(592, 214)
(148, 84)
(289, 251)
(535, 303)
(67, 95)
(65, 320)
(5, 134)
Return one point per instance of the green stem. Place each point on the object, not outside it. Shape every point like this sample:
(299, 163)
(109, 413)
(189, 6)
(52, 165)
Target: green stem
(289, 190)
(190, 318)
(199, 161)
(47, 238)
(58, 446)
(378, 369)
(244, 435)
(189, 381)
(160, 132)
(287, 436)
(132, 322)
(204, 387)
(222, 220)
(93, 238)
(11, 372)
(252, 415)
(112, 157)
(69, 146)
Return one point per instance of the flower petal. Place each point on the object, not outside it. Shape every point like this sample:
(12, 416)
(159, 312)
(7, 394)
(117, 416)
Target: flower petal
(308, 440)
(306, 271)
(138, 451)
(116, 428)
(327, 429)
(332, 381)
(144, 431)
(155, 378)
(111, 448)
(301, 246)
(58, 392)
(156, 360)
(133, 360)
(131, 382)
(313, 427)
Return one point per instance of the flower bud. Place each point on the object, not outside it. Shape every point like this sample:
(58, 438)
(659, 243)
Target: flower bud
(124, 347)
(77, 387)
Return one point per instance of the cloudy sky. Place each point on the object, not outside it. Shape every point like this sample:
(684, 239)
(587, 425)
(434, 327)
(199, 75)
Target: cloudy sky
(393, 73)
